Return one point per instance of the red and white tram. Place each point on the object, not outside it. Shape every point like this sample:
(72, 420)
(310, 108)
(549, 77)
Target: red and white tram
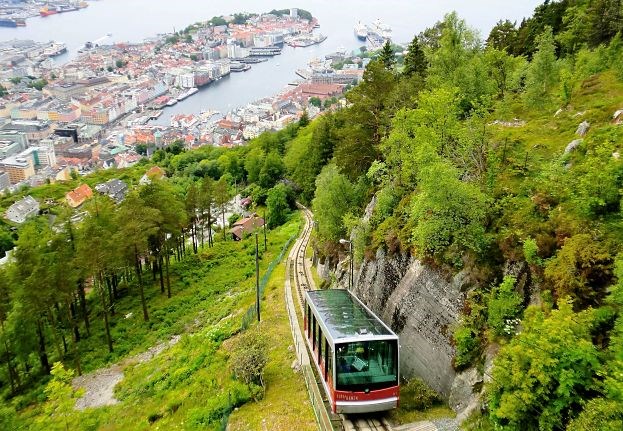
(355, 353)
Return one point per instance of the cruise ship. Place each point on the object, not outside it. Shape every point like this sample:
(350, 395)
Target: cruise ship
(361, 31)
(378, 34)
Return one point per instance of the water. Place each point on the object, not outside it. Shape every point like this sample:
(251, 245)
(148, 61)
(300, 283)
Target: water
(135, 20)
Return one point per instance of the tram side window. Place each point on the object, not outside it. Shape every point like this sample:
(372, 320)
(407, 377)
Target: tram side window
(313, 324)
(326, 358)
(320, 343)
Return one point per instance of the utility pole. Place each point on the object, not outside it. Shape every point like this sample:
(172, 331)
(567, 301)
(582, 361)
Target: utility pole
(257, 278)
(265, 247)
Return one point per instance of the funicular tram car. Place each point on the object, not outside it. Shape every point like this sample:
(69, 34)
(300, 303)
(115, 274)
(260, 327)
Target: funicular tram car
(355, 353)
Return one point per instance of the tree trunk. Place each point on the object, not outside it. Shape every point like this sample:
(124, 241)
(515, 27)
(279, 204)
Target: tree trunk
(223, 217)
(140, 285)
(154, 270)
(76, 337)
(83, 306)
(160, 269)
(105, 310)
(10, 370)
(111, 299)
(168, 277)
(43, 356)
(72, 319)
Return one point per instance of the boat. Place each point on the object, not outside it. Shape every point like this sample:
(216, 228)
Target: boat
(381, 29)
(48, 10)
(171, 102)
(361, 31)
(12, 22)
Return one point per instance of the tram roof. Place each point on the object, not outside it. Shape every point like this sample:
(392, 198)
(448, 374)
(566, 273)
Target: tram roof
(344, 316)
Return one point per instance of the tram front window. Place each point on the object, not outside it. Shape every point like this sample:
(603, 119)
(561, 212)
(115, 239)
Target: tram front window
(367, 365)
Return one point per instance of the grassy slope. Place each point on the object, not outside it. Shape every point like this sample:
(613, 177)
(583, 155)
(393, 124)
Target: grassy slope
(189, 385)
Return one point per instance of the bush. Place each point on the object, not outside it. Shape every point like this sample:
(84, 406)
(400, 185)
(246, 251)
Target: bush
(249, 359)
(417, 395)
(503, 307)
(466, 345)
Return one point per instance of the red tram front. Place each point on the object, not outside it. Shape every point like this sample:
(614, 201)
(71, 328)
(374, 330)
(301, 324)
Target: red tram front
(355, 353)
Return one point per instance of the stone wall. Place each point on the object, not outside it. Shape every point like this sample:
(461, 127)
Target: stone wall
(419, 304)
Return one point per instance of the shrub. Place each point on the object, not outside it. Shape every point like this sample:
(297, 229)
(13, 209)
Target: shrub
(417, 395)
(503, 307)
(466, 345)
(249, 359)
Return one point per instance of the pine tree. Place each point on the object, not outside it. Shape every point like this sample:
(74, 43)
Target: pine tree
(415, 60)
(387, 56)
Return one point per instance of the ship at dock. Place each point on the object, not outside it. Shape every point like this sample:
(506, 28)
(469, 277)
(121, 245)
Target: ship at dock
(12, 22)
(53, 9)
(378, 34)
(361, 31)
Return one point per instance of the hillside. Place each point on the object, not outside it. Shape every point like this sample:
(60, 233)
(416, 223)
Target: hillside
(494, 169)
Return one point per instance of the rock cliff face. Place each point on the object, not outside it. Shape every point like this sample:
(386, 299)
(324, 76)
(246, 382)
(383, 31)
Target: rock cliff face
(419, 304)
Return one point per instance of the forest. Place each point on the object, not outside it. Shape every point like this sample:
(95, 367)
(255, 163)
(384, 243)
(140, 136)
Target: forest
(499, 157)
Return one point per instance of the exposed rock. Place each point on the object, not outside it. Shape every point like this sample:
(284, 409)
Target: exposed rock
(420, 305)
(579, 114)
(616, 155)
(583, 128)
(465, 390)
(560, 111)
(515, 123)
(617, 118)
(295, 366)
(573, 145)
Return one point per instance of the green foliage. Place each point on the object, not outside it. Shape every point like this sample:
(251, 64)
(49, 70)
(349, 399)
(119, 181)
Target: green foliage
(581, 269)
(387, 56)
(542, 73)
(249, 358)
(466, 345)
(335, 197)
(543, 374)
(449, 214)
(59, 409)
(531, 252)
(3, 91)
(415, 60)
(417, 395)
(277, 206)
(504, 306)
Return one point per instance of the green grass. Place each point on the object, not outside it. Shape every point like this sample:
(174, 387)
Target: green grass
(189, 386)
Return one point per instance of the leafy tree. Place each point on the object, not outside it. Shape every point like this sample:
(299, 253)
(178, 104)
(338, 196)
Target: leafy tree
(221, 199)
(335, 197)
(606, 20)
(315, 101)
(138, 222)
(3, 91)
(502, 36)
(304, 120)
(542, 73)
(415, 60)
(448, 213)
(366, 122)
(272, 170)
(277, 206)
(387, 56)
(61, 399)
(541, 377)
(582, 269)
(249, 358)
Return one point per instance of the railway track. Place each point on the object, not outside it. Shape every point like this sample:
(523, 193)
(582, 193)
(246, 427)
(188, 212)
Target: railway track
(303, 281)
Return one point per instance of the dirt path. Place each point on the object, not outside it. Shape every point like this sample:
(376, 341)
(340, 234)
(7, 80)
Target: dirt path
(99, 385)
